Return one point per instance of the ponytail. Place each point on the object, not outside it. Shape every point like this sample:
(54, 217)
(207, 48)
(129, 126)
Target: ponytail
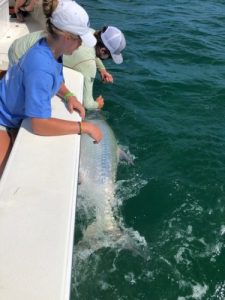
(48, 7)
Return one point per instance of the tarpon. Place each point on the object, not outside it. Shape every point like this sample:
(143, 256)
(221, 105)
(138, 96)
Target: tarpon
(97, 172)
(96, 191)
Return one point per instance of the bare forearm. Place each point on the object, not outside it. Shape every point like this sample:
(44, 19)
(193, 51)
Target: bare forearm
(63, 90)
(54, 127)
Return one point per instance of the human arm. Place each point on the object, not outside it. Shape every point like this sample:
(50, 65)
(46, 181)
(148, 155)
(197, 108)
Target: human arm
(105, 75)
(56, 127)
(44, 124)
(99, 64)
(18, 4)
(89, 102)
(29, 7)
(71, 101)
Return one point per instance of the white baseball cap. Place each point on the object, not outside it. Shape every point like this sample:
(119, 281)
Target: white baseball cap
(71, 17)
(115, 42)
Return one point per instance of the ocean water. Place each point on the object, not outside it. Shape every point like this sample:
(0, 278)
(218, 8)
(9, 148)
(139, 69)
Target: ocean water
(167, 109)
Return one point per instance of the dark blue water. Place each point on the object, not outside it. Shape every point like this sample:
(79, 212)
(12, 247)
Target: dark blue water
(167, 108)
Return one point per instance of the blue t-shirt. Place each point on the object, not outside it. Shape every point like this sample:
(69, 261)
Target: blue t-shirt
(28, 86)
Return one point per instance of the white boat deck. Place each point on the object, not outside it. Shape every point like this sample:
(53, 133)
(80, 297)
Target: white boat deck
(14, 30)
(37, 203)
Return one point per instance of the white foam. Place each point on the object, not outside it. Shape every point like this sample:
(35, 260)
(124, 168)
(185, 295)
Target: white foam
(127, 189)
(199, 291)
(178, 257)
(222, 230)
(189, 229)
(215, 251)
(130, 278)
(102, 223)
(219, 291)
(104, 285)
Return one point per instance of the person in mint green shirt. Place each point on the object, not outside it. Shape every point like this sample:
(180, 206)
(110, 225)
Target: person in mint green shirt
(87, 60)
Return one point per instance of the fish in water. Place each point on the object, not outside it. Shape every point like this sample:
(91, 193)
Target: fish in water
(97, 176)
(97, 173)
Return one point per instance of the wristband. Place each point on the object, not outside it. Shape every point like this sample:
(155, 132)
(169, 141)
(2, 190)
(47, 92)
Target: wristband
(67, 95)
(80, 128)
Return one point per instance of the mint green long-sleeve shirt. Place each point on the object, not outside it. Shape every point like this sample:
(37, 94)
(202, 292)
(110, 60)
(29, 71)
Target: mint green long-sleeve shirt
(83, 60)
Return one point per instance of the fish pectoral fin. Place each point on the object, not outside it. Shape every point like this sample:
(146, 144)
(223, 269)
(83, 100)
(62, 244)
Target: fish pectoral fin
(123, 156)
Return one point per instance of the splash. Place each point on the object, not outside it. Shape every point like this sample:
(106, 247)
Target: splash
(101, 224)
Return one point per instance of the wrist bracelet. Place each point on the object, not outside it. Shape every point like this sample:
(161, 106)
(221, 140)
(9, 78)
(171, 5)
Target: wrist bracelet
(80, 128)
(67, 95)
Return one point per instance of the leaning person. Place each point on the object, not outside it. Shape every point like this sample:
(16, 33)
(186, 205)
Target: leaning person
(110, 43)
(28, 86)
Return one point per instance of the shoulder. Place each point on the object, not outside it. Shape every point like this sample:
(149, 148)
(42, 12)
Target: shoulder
(30, 38)
(92, 30)
(39, 57)
(80, 55)
(40, 50)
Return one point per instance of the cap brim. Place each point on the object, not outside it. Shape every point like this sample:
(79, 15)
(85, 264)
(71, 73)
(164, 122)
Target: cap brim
(117, 58)
(88, 39)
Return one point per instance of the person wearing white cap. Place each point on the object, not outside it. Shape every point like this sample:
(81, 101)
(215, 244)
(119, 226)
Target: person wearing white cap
(114, 41)
(110, 43)
(28, 86)
(84, 59)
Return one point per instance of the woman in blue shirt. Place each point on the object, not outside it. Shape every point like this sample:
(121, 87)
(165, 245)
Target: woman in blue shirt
(27, 88)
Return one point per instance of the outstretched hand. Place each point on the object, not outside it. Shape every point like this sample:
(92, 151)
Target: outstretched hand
(93, 131)
(100, 101)
(74, 104)
(106, 76)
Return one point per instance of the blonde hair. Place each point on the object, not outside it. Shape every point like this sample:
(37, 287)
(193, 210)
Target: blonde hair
(48, 8)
